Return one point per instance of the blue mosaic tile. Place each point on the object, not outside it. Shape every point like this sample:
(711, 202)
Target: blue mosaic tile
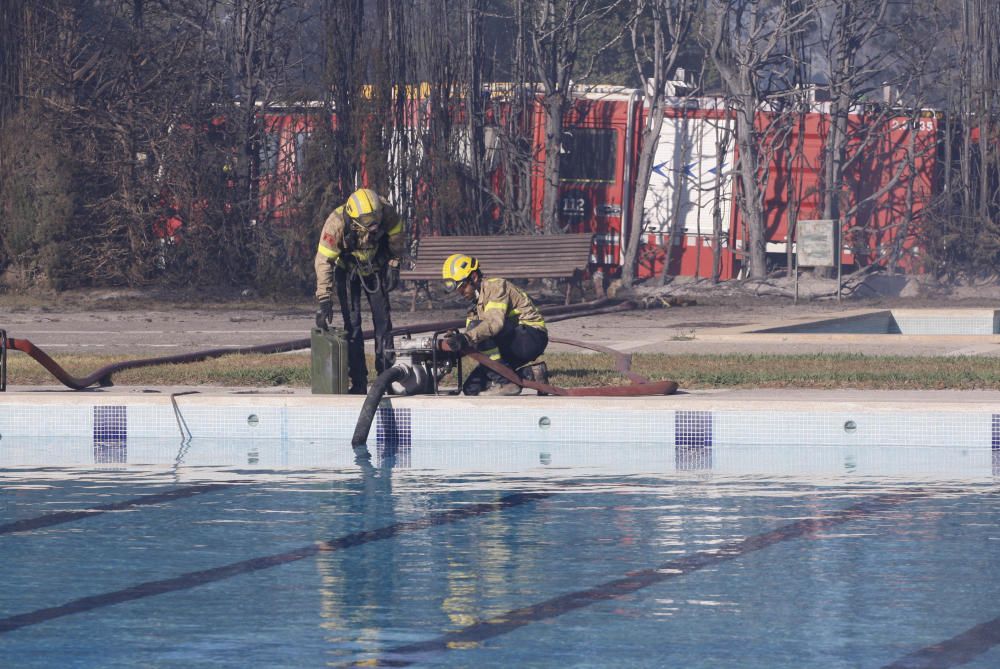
(693, 440)
(995, 443)
(110, 435)
(693, 428)
(394, 435)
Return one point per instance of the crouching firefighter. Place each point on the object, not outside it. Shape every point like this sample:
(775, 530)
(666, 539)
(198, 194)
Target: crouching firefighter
(503, 324)
(360, 249)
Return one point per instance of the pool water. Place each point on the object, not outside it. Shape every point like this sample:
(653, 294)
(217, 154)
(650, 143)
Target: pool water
(549, 567)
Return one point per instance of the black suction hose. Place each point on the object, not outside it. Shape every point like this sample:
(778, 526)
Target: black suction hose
(370, 407)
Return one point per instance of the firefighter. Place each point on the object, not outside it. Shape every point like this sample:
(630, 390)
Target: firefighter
(360, 249)
(503, 324)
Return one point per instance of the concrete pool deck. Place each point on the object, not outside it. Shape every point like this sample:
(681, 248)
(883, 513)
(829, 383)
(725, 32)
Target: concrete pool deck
(933, 434)
(743, 398)
(639, 332)
(939, 433)
(912, 416)
(765, 399)
(193, 430)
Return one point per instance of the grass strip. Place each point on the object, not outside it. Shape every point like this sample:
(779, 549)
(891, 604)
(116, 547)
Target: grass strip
(570, 369)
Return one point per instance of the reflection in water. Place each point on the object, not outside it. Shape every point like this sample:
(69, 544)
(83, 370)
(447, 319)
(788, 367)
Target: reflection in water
(110, 451)
(634, 569)
(693, 458)
(353, 590)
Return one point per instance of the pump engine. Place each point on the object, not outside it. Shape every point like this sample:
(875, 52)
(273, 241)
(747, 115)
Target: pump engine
(424, 365)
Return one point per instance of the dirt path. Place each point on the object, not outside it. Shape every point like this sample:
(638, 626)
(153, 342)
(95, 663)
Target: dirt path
(126, 324)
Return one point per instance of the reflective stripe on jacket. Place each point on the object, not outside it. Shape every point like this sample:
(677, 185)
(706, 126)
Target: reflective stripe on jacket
(339, 247)
(501, 305)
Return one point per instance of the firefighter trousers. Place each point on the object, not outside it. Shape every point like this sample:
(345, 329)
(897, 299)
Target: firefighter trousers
(520, 345)
(350, 285)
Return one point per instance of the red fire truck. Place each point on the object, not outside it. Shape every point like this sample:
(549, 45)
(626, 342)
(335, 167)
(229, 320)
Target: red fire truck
(691, 201)
(691, 205)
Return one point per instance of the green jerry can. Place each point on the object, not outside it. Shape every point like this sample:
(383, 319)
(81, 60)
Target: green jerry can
(329, 361)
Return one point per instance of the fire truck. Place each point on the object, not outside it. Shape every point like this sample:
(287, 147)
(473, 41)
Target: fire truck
(691, 215)
(691, 202)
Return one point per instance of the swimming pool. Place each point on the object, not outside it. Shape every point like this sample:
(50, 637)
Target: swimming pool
(561, 555)
(957, 322)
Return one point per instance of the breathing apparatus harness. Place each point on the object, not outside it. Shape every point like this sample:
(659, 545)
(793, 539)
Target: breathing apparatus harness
(362, 269)
(355, 271)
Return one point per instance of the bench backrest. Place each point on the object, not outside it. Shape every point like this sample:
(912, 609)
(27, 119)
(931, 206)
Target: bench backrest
(509, 256)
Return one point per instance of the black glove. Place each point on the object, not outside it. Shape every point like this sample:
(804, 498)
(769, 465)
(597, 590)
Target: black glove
(454, 342)
(324, 315)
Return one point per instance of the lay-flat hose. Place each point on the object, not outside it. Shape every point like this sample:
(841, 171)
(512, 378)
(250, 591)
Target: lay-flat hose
(370, 407)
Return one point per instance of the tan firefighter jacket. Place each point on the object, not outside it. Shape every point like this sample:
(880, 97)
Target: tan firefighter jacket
(342, 244)
(501, 306)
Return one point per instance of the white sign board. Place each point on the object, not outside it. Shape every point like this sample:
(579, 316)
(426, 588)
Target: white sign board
(816, 243)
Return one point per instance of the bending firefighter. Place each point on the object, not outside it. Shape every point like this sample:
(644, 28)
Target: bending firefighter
(360, 250)
(504, 324)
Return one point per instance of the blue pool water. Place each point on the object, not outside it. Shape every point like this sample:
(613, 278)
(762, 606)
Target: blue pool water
(252, 566)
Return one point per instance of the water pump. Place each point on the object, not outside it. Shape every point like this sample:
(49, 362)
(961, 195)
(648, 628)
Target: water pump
(422, 366)
(418, 369)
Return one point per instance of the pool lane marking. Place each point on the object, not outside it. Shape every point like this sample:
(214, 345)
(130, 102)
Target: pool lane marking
(953, 652)
(195, 578)
(49, 519)
(633, 582)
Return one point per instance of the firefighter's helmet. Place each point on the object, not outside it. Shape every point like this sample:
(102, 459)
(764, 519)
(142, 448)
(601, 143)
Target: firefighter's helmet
(364, 208)
(457, 268)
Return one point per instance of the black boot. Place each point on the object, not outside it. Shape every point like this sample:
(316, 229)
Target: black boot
(476, 382)
(540, 372)
(536, 372)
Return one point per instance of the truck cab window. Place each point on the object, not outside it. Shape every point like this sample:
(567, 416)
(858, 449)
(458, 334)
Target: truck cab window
(588, 155)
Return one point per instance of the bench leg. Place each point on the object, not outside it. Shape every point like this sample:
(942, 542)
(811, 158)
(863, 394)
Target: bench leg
(417, 287)
(575, 280)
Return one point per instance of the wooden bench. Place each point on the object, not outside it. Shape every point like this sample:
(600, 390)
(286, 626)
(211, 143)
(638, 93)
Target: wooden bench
(508, 256)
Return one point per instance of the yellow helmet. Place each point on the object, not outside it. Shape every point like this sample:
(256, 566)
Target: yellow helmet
(364, 207)
(457, 268)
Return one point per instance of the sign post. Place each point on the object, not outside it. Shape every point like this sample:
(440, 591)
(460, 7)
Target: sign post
(816, 246)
